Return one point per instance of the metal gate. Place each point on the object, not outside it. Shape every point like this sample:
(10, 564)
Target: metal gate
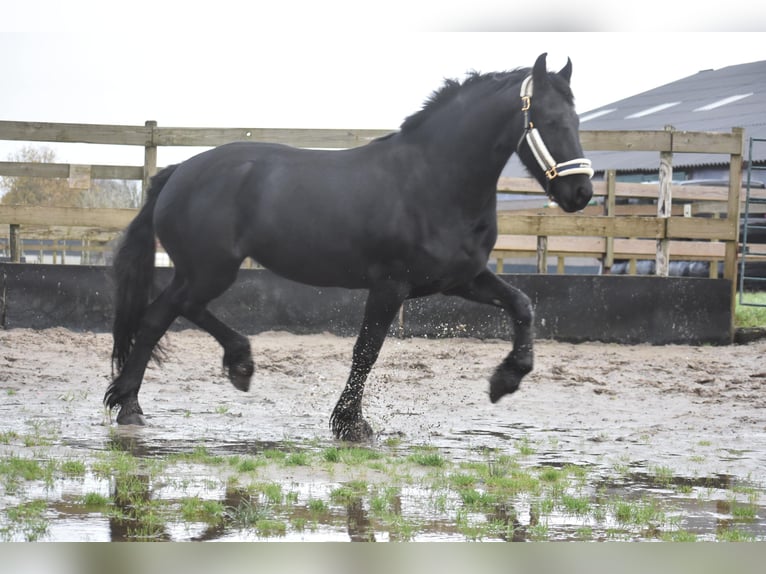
(752, 231)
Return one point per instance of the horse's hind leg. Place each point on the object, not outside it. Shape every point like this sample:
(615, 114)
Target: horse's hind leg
(237, 356)
(490, 289)
(382, 305)
(203, 287)
(123, 391)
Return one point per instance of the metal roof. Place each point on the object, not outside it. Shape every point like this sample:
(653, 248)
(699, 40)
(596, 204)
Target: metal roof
(708, 101)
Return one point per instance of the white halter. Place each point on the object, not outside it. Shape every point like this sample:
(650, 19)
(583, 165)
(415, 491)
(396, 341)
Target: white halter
(534, 140)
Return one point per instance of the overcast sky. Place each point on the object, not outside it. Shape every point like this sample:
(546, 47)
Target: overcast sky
(300, 66)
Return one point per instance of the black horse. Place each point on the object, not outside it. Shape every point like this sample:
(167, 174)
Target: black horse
(408, 215)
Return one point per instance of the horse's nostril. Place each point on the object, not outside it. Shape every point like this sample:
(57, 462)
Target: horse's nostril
(584, 194)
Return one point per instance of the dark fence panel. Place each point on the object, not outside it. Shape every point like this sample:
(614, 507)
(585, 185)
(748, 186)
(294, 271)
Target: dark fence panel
(572, 308)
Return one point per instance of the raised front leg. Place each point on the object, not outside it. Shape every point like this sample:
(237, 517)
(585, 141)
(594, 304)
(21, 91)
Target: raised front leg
(490, 289)
(382, 305)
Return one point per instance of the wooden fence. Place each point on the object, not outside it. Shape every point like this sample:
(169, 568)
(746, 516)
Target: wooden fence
(703, 225)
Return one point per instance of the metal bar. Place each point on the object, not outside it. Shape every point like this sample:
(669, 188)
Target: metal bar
(746, 250)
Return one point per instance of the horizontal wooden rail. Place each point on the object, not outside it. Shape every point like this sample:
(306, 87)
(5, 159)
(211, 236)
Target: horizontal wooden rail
(102, 218)
(515, 245)
(662, 141)
(315, 138)
(580, 225)
(64, 170)
(170, 136)
(76, 133)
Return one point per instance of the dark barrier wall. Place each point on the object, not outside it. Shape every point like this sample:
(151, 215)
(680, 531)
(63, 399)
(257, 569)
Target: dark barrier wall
(573, 308)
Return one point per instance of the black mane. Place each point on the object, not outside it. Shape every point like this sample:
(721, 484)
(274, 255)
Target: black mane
(452, 87)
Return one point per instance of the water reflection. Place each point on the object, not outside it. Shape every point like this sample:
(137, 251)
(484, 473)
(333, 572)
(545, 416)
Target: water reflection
(138, 444)
(146, 504)
(359, 525)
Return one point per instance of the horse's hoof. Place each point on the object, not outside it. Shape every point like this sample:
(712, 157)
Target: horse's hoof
(240, 375)
(504, 381)
(131, 413)
(358, 430)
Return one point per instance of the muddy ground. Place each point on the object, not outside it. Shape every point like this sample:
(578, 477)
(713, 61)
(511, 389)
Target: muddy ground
(697, 410)
(597, 398)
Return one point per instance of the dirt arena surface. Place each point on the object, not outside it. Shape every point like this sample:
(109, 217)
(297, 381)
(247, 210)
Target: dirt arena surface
(698, 411)
(648, 401)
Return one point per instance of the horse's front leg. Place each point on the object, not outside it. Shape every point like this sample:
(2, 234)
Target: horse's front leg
(490, 289)
(383, 303)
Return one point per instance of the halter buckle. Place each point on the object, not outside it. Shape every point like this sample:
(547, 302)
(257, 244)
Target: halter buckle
(526, 103)
(552, 173)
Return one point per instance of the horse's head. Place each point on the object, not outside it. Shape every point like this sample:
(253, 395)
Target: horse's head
(550, 145)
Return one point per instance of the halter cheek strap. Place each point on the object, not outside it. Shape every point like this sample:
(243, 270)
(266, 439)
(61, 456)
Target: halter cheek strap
(535, 142)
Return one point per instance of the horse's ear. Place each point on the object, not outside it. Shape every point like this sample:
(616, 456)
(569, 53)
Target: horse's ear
(540, 70)
(566, 71)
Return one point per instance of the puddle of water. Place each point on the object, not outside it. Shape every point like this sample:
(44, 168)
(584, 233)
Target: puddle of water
(514, 484)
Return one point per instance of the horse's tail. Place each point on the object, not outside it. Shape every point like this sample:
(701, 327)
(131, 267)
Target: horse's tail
(133, 271)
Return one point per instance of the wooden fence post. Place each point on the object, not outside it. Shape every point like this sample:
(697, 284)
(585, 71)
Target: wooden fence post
(733, 214)
(150, 158)
(15, 240)
(542, 254)
(664, 207)
(611, 186)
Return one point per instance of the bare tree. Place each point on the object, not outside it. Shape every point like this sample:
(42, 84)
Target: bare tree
(112, 193)
(23, 190)
(37, 190)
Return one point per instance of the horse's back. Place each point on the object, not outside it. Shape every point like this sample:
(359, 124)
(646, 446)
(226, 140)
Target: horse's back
(302, 213)
(347, 218)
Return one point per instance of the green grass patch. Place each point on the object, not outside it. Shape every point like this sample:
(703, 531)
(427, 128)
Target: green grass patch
(298, 459)
(427, 456)
(639, 512)
(95, 500)
(749, 316)
(349, 492)
(575, 505)
(525, 447)
(25, 522)
(73, 468)
(195, 509)
(477, 500)
(551, 474)
(744, 511)
(271, 491)
(131, 490)
(733, 535)
(7, 437)
(115, 463)
(247, 465)
(200, 455)
(352, 455)
(678, 536)
(21, 468)
(246, 514)
(317, 506)
(269, 527)
(274, 455)
(462, 480)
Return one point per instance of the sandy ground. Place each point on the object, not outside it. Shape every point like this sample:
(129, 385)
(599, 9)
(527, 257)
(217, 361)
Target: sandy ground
(699, 410)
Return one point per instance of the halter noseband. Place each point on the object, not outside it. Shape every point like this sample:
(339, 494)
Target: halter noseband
(534, 140)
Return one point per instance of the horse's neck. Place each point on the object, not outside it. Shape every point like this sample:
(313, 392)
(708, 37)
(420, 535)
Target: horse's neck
(475, 145)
